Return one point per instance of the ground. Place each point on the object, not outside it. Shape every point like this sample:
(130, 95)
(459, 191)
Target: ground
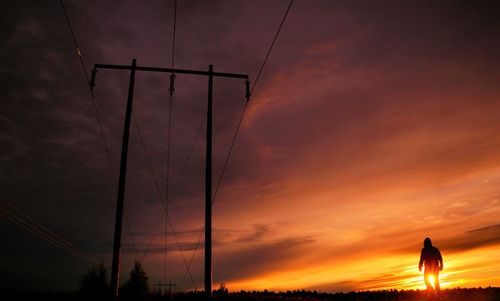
(457, 294)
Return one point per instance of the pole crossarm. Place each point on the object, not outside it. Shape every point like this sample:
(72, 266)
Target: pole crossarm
(165, 70)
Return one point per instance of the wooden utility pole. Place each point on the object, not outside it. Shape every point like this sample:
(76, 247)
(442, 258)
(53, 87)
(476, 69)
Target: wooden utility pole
(208, 190)
(115, 270)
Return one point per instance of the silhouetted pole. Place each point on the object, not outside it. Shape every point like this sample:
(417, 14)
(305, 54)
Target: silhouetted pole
(208, 191)
(208, 170)
(115, 268)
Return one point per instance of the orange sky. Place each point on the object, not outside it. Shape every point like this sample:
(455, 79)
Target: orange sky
(345, 204)
(358, 147)
(374, 125)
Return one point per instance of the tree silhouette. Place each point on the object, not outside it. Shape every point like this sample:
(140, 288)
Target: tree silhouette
(137, 286)
(222, 292)
(94, 283)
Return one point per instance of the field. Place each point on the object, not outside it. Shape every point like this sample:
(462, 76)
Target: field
(457, 294)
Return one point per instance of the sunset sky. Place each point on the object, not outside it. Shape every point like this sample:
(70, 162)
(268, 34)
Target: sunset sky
(374, 125)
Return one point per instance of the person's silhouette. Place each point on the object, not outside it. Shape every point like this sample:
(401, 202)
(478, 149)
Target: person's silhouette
(431, 259)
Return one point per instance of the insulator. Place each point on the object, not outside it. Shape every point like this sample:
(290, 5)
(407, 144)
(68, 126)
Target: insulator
(247, 94)
(172, 81)
(92, 79)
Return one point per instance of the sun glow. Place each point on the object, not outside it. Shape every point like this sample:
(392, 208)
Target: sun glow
(381, 272)
(431, 279)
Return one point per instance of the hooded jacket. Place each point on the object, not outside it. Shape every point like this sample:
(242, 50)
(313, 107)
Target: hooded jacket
(430, 258)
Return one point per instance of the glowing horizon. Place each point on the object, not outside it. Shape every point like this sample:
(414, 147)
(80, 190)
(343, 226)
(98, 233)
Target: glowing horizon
(457, 273)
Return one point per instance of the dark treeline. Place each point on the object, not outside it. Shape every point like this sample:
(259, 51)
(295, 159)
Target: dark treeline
(457, 294)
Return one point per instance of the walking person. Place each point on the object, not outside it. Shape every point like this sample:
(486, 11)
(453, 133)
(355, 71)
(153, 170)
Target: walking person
(432, 261)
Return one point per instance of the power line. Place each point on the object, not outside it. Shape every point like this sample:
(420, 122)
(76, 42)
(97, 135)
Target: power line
(229, 153)
(169, 136)
(26, 222)
(168, 221)
(75, 41)
(157, 186)
(87, 79)
(37, 229)
(166, 217)
(39, 234)
(98, 117)
(194, 253)
(241, 118)
(239, 124)
(184, 166)
(173, 35)
(146, 153)
(167, 186)
(183, 258)
(148, 247)
(190, 152)
(246, 104)
(186, 264)
(272, 45)
(140, 135)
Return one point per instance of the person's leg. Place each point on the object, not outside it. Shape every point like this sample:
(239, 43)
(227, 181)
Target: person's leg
(427, 281)
(436, 281)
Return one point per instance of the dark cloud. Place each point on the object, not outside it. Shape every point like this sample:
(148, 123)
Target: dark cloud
(465, 241)
(370, 93)
(253, 260)
(485, 229)
(260, 232)
(481, 237)
(191, 240)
